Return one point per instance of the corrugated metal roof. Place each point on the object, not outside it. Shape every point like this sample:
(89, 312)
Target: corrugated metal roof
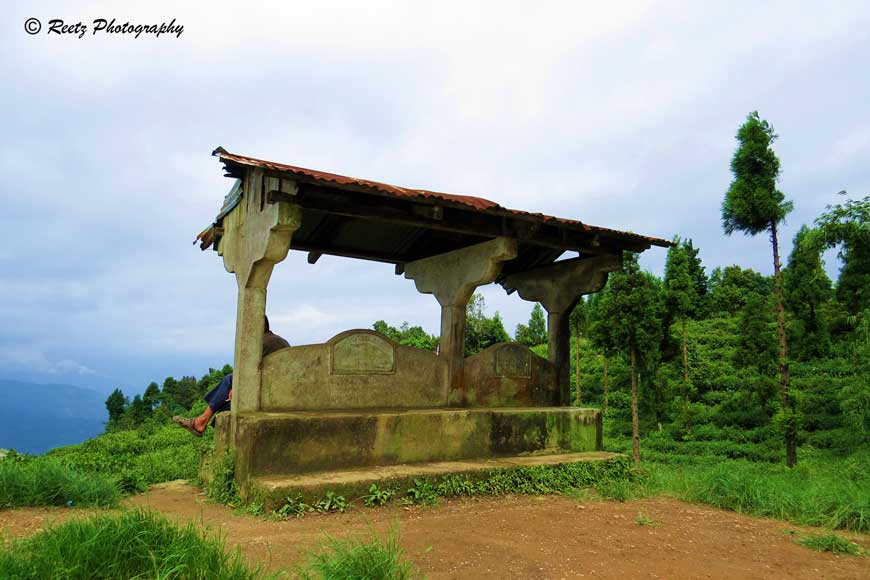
(478, 204)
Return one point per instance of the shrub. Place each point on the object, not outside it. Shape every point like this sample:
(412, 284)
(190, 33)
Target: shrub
(377, 496)
(331, 502)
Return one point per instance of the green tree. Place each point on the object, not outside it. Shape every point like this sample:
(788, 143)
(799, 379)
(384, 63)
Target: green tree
(407, 335)
(848, 225)
(577, 323)
(169, 394)
(731, 287)
(700, 282)
(137, 412)
(754, 205)
(806, 289)
(629, 320)
(481, 331)
(152, 395)
(536, 331)
(599, 333)
(680, 296)
(115, 404)
(756, 347)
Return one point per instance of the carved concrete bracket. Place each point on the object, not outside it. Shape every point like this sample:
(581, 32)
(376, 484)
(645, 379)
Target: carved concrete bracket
(560, 285)
(257, 234)
(453, 276)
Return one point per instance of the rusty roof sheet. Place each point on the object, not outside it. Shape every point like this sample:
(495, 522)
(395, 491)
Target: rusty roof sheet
(475, 203)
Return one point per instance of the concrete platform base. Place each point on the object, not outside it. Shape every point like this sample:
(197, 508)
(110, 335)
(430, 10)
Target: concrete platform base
(292, 443)
(353, 483)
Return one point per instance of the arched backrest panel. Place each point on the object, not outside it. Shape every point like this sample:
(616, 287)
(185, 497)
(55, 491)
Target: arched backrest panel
(354, 369)
(507, 374)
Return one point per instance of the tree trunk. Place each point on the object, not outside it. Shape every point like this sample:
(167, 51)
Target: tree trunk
(787, 403)
(635, 438)
(606, 385)
(577, 397)
(685, 357)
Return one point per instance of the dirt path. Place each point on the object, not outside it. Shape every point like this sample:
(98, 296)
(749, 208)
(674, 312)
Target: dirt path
(519, 537)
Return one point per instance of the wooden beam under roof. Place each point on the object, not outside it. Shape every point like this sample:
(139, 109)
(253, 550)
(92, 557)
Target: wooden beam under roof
(452, 219)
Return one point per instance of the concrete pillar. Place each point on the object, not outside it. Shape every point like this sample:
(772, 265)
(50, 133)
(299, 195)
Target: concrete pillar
(256, 236)
(452, 278)
(558, 287)
(453, 342)
(559, 348)
(250, 310)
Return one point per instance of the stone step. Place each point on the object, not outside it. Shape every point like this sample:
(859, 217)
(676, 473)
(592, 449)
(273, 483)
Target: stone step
(290, 443)
(353, 483)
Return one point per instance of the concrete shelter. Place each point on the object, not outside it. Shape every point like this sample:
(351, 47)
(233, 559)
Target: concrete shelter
(359, 400)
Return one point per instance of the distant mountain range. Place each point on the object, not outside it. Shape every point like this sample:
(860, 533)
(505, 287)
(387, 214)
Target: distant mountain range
(35, 418)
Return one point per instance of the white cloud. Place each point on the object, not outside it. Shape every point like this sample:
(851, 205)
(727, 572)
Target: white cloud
(24, 358)
(619, 114)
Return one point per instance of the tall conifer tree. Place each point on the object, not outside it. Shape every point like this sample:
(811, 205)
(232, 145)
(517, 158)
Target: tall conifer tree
(754, 205)
(629, 320)
(680, 296)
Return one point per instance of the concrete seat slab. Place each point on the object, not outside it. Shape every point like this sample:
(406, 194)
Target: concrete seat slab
(357, 480)
(295, 443)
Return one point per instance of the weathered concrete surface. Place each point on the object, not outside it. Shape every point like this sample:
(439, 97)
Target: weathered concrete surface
(354, 369)
(355, 482)
(257, 236)
(558, 287)
(299, 442)
(507, 374)
(452, 278)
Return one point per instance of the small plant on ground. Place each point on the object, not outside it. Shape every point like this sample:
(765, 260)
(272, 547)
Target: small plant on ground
(643, 519)
(293, 506)
(422, 493)
(456, 485)
(831, 542)
(223, 488)
(255, 507)
(579, 494)
(331, 502)
(616, 489)
(371, 557)
(377, 496)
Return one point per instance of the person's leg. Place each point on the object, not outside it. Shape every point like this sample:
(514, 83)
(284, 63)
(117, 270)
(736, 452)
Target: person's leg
(201, 422)
(217, 400)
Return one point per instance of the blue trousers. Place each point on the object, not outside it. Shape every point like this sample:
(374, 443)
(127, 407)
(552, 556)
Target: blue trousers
(218, 397)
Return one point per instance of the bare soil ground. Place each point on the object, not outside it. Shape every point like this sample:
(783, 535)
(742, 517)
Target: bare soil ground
(518, 537)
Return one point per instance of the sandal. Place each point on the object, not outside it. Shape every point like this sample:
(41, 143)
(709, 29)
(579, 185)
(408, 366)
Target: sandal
(187, 423)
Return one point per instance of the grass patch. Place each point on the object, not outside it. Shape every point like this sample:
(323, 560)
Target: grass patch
(222, 486)
(831, 543)
(49, 483)
(617, 489)
(643, 519)
(537, 480)
(137, 544)
(371, 557)
(815, 493)
(138, 458)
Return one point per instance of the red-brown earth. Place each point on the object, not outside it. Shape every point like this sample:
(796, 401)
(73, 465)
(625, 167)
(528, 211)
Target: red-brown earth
(517, 537)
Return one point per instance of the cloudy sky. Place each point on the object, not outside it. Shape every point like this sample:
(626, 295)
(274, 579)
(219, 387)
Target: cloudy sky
(619, 114)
